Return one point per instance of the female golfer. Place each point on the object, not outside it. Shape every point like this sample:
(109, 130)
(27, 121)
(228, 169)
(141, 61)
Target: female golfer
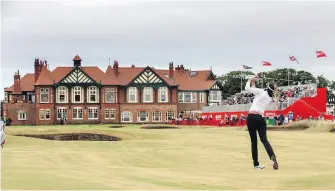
(256, 122)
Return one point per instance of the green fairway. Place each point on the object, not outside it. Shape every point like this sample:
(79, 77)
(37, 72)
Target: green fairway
(187, 158)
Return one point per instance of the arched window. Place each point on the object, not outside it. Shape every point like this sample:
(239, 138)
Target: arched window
(92, 94)
(126, 116)
(77, 94)
(62, 94)
(156, 116)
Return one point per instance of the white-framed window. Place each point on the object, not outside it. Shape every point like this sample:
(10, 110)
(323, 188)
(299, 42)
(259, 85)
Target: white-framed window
(110, 95)
(187, 97)
(109, 113)
(163, 94)
(42, 114)
(169, 115)
(132, 94)
(62, 94)
(112, 114)
(77, 113)
(202, 97)
(44, 95)
(143, 116)
(61, 113)
(21, 116)
(157, 116)
(147, 95)
(92, 113)
(6, 97)
(92, 94)
(126, 116)
(215, 96)
(47, 114)
(77, 94)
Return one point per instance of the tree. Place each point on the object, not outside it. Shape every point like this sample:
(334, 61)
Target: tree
(322, 81)
(283, 75)
(232, 82)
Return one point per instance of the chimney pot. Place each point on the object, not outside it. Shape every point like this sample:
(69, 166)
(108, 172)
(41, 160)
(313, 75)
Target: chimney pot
(116, 67)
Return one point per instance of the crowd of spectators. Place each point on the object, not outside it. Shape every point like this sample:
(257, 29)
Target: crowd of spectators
(282, 96)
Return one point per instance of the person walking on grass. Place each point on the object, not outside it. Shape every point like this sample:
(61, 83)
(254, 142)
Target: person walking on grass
(256, 122)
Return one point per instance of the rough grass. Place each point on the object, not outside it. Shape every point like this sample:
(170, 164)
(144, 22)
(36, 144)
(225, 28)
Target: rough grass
(193, 158)
(308, 125)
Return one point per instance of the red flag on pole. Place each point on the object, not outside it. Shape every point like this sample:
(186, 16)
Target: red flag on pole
(266, 63)
(293, 58)
(320, 54)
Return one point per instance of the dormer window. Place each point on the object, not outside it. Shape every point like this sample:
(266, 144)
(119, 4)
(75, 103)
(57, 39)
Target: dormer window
(193, 73)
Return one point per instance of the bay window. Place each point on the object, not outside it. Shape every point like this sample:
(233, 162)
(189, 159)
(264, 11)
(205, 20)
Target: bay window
(44, 95)
(62, 94)
(187, 97)
(163, 94)
(147, 95)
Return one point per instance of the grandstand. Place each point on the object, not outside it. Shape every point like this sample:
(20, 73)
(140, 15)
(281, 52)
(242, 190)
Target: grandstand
(303, 102)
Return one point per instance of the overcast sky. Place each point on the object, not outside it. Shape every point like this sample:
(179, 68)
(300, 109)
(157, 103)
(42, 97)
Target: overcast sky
(198, 34)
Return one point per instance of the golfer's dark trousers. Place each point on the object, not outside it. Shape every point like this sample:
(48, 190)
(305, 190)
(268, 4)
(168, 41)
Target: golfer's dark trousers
(256, 123)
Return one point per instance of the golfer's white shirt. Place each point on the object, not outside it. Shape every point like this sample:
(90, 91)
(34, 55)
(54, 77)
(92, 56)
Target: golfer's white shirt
(2, 132)
(261, 100)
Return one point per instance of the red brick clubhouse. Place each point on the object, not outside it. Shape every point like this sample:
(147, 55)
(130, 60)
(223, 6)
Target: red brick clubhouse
(86, 94)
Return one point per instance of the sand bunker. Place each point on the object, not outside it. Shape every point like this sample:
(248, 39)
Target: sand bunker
(73, 137)
(116, 126)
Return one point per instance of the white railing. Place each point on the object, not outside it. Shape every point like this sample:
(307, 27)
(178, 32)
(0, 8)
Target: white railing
(291, 100)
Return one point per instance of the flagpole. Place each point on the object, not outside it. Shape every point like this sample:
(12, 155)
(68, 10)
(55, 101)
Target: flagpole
(262, 76)
(241, 80)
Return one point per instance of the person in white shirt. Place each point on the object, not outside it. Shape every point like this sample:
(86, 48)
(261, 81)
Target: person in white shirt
(256, 122)
(2, 133)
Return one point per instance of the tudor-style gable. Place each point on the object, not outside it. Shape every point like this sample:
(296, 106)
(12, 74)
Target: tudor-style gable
(215, 87)
(147, 76)
(77, 77)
